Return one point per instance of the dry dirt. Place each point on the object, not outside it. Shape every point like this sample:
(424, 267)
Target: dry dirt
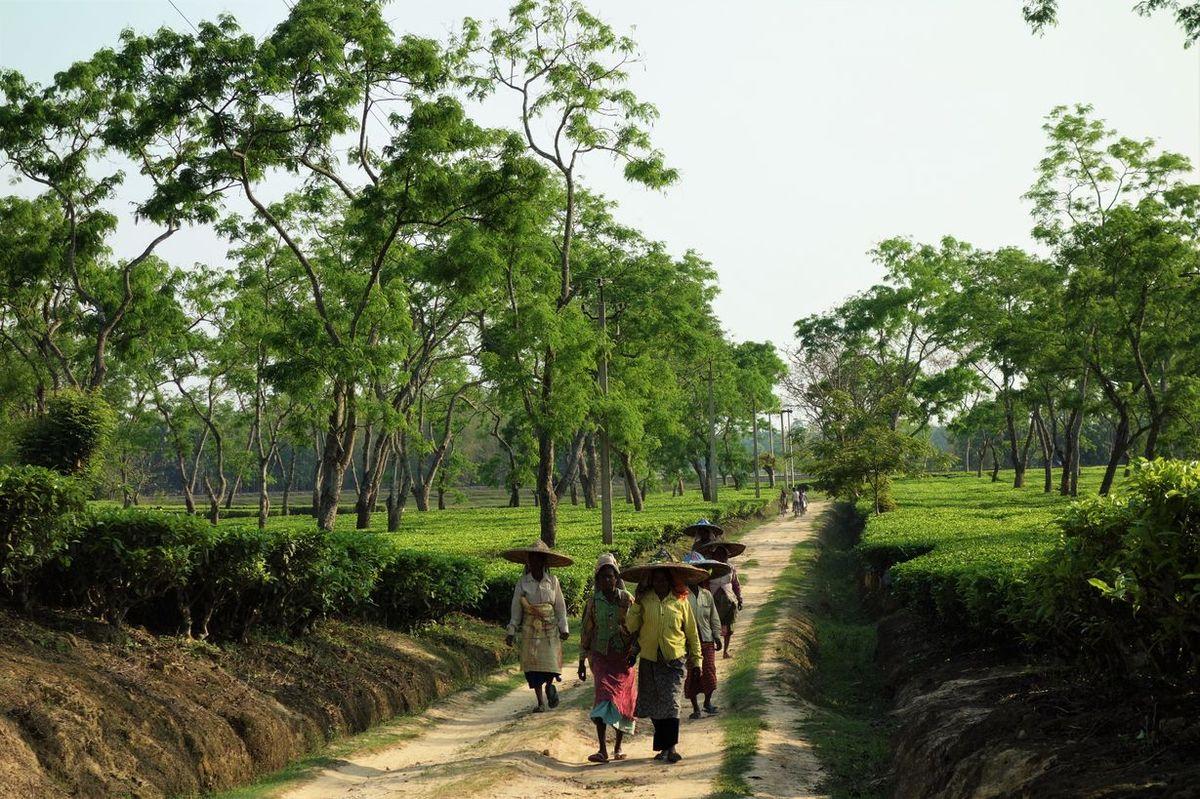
(500, 749)
(89, 711)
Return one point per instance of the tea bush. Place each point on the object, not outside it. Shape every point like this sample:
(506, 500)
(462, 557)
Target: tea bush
(38, 512)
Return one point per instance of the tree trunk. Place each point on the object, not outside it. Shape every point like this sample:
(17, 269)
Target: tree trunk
(589, 472)
(1010, 424)
(1047, 452)
(398, 496)
(288, 480)
(339, 450)
(1119, 446)
(995, 464)
(318, 473)
(514, 495)
(571, 467)
(632, 490)
(547, 500)
(679, 483)
(700, 474)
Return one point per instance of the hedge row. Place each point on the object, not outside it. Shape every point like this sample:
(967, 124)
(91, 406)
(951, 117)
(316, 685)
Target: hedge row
(1114, 581)
(177, 573)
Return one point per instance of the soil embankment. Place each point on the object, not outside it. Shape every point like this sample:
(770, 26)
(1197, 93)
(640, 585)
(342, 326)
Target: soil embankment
(90, 711)
(984, 722)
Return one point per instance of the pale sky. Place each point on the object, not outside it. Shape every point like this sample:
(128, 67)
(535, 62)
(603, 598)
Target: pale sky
(805, 130)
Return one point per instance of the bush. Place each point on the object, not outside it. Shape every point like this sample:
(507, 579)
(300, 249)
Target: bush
(38, 512)
(417, 586)
(70, 436)
(1124, 586)
(126, 559)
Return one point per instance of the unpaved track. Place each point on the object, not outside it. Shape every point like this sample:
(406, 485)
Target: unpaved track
(473, 748)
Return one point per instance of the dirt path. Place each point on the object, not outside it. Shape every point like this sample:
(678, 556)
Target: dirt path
(471, 747)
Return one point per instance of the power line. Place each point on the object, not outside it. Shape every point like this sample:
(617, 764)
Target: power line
(185, 19)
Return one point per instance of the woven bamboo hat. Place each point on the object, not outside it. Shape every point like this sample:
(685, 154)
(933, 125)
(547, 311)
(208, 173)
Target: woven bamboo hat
(715, 568)
(732, 548)
(521, 554)
(703, 526)
(663, 560)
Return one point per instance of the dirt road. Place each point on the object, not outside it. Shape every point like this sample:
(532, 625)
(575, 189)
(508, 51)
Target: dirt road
(472, 747)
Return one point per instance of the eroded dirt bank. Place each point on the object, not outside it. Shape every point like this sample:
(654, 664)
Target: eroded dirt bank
(978, 722)
(87, 711)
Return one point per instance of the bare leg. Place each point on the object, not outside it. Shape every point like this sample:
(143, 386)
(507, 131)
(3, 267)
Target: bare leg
(695, 708)
(617, 753)
(541, 701)
(601, 755)
(728, 633)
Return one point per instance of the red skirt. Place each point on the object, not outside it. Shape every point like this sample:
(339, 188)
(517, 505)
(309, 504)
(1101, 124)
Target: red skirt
(615, 680)
(707, 683)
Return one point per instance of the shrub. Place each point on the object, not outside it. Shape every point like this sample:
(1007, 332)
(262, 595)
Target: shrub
(70, 435)
(1124, 586)
(234, 568)
(38, 512)
(417, 586)
(125, 559)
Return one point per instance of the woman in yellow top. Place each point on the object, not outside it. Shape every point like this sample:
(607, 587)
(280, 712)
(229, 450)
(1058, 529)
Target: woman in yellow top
(661, 617)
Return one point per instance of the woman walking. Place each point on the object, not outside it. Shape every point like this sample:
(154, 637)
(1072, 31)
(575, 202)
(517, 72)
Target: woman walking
(726, 590)
(668, 644)
(606, 645)
(708, 624)
(703, 532)
(783, 501)
(539, 613)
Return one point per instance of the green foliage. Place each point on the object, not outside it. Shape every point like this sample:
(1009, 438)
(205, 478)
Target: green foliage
(38, 511)
(1124, 583)
(70, 436)
(125, 559)
(1115, 580)
(417, 586)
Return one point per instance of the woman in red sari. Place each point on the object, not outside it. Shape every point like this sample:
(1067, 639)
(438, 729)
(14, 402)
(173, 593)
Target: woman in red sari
(604, 644)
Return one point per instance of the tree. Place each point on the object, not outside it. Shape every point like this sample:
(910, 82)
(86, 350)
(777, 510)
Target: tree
(1041, 14)
(568, 70)
(287, 104)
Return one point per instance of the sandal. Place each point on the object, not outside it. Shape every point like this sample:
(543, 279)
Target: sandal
(597, 758)
(552, 695)
(620, 756)
(674, 757)
(712, 710)
(539, 709)
(695, 715)
(661, 755)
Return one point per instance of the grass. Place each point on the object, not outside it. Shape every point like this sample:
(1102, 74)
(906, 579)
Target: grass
(846, 724)
(743, 700)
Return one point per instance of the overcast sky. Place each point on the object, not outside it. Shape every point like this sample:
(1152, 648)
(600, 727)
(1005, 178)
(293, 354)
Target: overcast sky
(805, 130)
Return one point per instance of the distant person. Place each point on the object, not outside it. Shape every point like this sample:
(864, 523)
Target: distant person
(726, 590)
(783, 501)
(795, 502)
(702, 532)
(539, 612)
(803, 499)
(708, 624)
(605, 644)
(668, 645)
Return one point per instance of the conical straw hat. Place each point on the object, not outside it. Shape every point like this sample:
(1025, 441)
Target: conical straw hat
(521, 554)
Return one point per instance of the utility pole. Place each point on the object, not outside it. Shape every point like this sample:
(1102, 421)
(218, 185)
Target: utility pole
(606, 524)
(783, 452)
(754, 427)
(788, 440)
(712, 439)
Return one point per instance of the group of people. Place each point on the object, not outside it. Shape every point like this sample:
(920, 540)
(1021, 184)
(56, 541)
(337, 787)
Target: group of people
(797, 497)
(643, 648)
